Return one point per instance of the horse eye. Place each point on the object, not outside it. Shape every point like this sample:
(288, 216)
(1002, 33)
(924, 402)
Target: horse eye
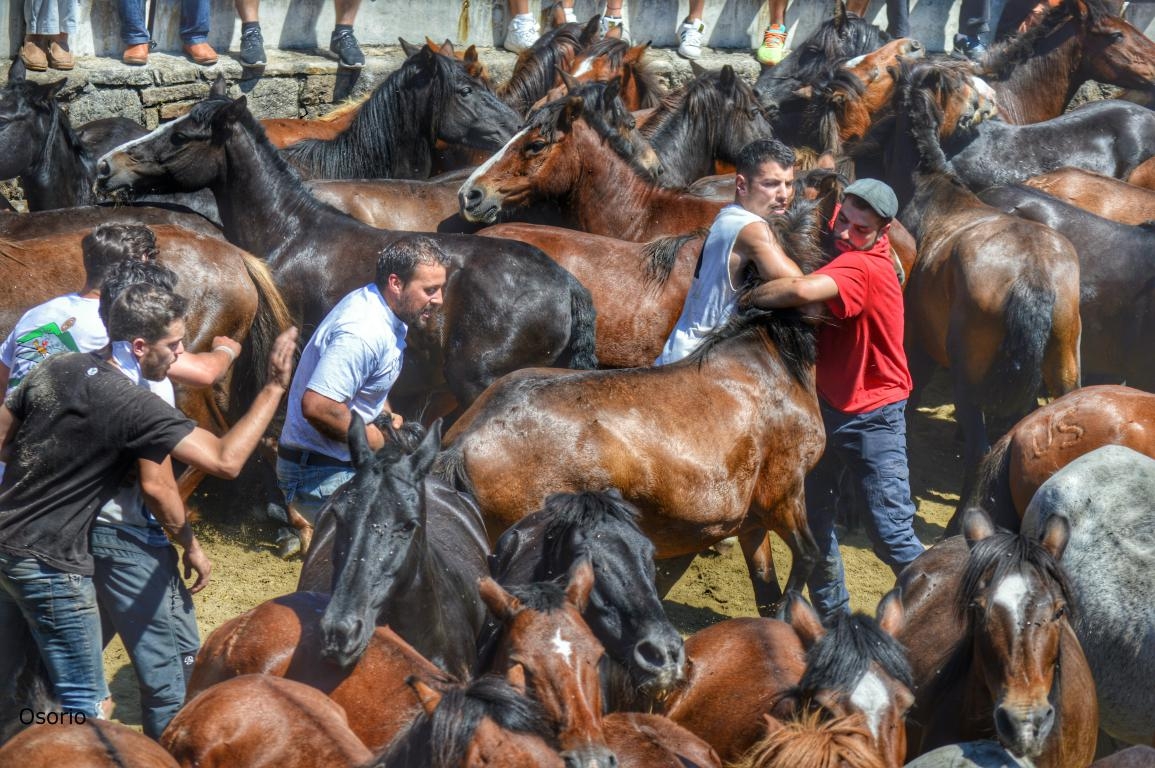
(1060, 612)
(536, 146)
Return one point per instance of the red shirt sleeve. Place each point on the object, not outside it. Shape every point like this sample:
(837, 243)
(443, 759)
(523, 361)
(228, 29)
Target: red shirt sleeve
(850, 273)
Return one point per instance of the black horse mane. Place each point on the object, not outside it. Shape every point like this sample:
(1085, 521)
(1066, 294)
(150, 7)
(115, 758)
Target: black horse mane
(701, 101)
(615, 49)
(397, 124)
(793, 337)
(661, 255)
(843, 655)
(541, 596)
(442, 739)
(842, 37)
(1001, 554)
(596, 105)
(585, 511)
(535, 72)
(1020, 48)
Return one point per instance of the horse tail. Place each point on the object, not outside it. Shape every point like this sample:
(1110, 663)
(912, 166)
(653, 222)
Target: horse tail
(991, 491)
(271, 318)
(30, 688)
(1012, 383)
(449, 466)
(580, 353)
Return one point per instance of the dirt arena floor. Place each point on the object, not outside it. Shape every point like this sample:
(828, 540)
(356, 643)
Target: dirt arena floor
(246, 571)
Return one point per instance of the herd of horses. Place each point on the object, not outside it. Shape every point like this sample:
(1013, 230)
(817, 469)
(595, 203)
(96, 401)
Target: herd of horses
(486, 591)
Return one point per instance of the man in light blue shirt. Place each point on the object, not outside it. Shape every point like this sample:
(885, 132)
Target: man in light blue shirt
(349, 365)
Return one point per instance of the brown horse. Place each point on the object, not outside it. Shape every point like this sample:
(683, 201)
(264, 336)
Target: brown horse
(854, 667)
(284, 131)
(537, 67)
(1101, 195)
(561, 158)
(652, 741)
(1144, 175)
(1036, 72)
(90, 744)
(1052, 437)
(296, 726)
(992, 648)
(610, 59)
(813, 741)
(710, 447)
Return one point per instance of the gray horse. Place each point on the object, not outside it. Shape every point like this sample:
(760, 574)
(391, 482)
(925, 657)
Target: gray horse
(1108, 497)
(971, 754)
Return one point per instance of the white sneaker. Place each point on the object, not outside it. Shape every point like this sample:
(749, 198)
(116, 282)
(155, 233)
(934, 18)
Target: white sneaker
(691, 36)
(570, 16)
(522, 33)
(609, 23)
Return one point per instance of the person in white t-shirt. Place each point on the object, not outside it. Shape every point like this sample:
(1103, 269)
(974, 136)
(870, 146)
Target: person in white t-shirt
(349, 366)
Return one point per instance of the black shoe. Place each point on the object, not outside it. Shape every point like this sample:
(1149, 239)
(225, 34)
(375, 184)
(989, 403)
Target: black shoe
(253, 48)
(348, 51)
(971, 47)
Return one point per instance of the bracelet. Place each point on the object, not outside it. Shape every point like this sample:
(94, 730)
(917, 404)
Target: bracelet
(228, 351)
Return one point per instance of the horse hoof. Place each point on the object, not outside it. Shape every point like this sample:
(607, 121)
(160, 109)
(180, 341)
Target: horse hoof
(288, 544)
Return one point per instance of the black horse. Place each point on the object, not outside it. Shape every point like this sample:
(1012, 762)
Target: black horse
(1116, 279)
(392, 552)
(55, 163)
(430, 98)
(624, 610)
(507, 304)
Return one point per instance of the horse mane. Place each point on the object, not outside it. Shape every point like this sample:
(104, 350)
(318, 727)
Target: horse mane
(790, 334)
(916, 82)
(1001, 554)
(661, 255)
(541, 596)
(1019, 49)
(702, 103)
(585, 511)
(385, 133)
(535, 71)
(441, 739)
(820, 116)
(834, 41)
(594, 109)
(815, 742)
(843, 655)
(614, 49)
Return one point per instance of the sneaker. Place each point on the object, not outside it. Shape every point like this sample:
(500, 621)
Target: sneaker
(34, 57)
(521, 34)
(136, 55)
(969, 46)
(59, 57)
(253, 48)
(348, 51)
(773, 48)
(616, 25)
(691, 35)
(570, 16)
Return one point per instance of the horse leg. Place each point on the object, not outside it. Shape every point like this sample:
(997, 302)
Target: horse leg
(763, 577)
(969, 415)
(670, 570)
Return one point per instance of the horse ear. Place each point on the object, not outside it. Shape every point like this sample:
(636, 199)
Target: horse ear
(49, 91)
(220, 88)
(976, 525)
(613, 88)
(1055, 535)
(804, 620)
(635, 54)
(772, 725)
(727, 78)
(572, 111)
(890, 614)
(590, 32)
(696, 69)
(408, 47)
(423, 456)
(805, 92)
(499, 602)
(567, 79)
(515, 676)
(446, 49)
(471, 56)
(839, 14)
(581, 582)
(359, 449)
(18, 73)
(429, 696)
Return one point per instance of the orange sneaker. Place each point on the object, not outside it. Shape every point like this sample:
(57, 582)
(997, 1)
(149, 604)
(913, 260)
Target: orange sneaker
(773, 48)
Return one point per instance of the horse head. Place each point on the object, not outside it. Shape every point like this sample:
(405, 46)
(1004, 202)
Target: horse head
(379, 540)
(547, 638)
(602, 62)
(1016, 599)
(1116, 52)
(855, 666)
(946, 94)
(26, 110)
(545, 159)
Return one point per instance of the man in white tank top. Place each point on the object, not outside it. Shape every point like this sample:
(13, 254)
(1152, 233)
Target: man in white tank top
(739, 240)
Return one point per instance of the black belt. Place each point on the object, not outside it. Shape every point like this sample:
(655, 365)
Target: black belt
(309, 458)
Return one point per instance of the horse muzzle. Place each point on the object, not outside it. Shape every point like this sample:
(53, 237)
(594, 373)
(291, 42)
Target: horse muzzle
(344, 641)
(659, 663)
(590, 757)
(112, 174)
(1024, 731)
(477, 205)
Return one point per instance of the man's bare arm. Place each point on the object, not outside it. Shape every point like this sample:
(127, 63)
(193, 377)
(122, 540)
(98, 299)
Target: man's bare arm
(203, 369)
(758, 246)
(792, 292)
(161, 494)
(332, 419)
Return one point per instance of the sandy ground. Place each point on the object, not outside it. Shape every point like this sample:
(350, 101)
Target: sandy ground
(247, 572)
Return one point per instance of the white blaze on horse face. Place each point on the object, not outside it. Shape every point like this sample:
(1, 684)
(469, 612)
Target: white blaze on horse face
(871, 698)
(585, 66)
(1011, 594)
(562, 647)
(852, 63)
(986, 91)
(166, 128)
(484, 167)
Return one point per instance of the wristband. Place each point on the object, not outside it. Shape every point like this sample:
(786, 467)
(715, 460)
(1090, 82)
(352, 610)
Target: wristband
(228, 351)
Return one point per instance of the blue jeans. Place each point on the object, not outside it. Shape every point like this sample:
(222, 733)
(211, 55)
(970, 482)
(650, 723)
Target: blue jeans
(60, 611)
(307, 488)
(194, 21)
(50, 17)
(974, 17)
(143, 599)
(872, 447)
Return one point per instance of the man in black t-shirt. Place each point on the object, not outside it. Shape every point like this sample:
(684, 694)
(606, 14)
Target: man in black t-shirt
(70, 433)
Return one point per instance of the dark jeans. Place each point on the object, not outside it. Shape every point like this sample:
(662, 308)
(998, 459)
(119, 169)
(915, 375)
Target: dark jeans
(194, 21)
(872, 448)
(143, 599)
(974, 17)
(898, 18)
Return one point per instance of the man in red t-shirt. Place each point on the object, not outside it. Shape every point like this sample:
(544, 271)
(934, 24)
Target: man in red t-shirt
(863, 384)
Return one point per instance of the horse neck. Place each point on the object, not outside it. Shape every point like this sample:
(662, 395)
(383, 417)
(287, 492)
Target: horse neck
(1038, 88)
(685, 146)
(63, 174)
(407, 150)
(610, 198)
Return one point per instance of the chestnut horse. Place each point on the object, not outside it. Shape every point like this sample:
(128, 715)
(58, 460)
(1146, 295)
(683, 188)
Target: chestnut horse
(1144, 175)
(1036, 72)
(1098, 194)
(992, 648)
(609, 59)
(1048, 439)
(735, 467)
(89, 744)
(537, 68)
(854, 667)
(813, 741)
(561, 158)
